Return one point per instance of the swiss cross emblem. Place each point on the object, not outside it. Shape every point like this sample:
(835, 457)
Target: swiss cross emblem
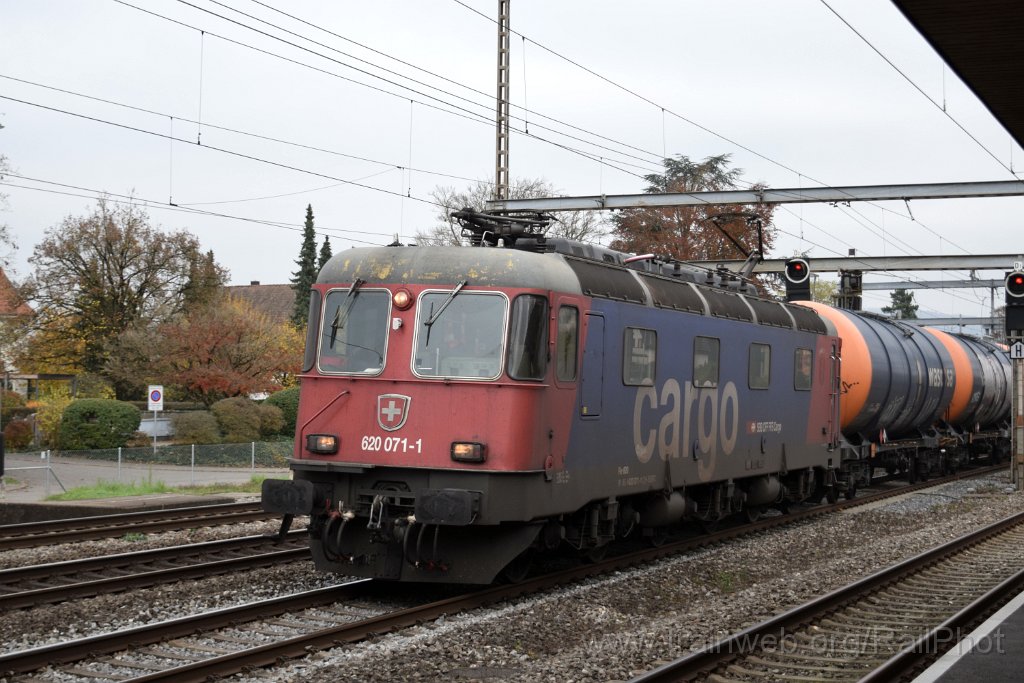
(392, 409)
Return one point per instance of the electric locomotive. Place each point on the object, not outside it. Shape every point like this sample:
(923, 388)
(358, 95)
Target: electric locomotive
(464, 407)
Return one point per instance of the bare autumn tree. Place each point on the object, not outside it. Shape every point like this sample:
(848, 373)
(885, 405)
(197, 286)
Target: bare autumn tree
(6, 243)
(583, 226)
(689, 233)
(99, 275)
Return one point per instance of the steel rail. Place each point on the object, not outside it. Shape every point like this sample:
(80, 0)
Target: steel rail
(61, 653)
(34, 534)
(25, 661)
(65, 567)
(715, 655)
(914, 656)
(142, 579)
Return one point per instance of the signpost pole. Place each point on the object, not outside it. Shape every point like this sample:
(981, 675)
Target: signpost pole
(1017, 409)
(156, 403)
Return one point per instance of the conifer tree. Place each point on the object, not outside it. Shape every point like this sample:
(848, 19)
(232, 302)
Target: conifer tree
(325, 254)
(305, 276)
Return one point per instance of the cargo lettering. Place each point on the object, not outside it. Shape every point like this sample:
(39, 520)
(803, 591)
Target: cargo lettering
(715, 410)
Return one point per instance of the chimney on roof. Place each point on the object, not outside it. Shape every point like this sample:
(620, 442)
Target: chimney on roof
(254, 282)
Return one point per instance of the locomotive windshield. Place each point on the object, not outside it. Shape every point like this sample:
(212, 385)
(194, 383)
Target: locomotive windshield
(353, 337)
(464, 339)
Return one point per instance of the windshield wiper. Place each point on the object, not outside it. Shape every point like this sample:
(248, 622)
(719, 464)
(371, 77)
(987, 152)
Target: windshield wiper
(434, 315)
(344, 308)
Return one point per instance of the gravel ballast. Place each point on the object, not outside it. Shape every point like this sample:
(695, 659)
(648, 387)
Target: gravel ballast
(604, 629)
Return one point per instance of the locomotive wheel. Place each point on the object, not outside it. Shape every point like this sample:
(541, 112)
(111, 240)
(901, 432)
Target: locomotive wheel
(850, 493)
(658, 537)
(754, 512)
(831, 495)
(709, 526)
(519, 568)
(596, 554)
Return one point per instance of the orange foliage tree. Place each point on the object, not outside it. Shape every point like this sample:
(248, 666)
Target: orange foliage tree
(689, 233)
(227, 349)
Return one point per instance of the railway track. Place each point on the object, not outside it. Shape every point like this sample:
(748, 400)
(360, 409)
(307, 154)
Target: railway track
(235, 639)
(56, 582)
(881, 628)
(35, 534)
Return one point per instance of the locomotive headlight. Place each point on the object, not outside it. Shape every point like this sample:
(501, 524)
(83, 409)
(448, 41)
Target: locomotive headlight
(322, 443)
(402, 299)
(468, 451)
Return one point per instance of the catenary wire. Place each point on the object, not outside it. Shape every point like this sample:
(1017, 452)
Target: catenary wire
(166, 206)
(669, 111)
(918, 88)
(354, 68)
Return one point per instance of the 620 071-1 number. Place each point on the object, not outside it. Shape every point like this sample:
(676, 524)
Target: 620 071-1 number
(391, 444)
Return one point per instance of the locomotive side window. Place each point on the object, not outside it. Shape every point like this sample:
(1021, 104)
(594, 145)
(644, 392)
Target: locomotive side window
(528, 340)
(802, 369)
(309, 358)
(567, 343)
(759, 366)
(353, 338)
(705, 361)
(639, 356)
(459, 334)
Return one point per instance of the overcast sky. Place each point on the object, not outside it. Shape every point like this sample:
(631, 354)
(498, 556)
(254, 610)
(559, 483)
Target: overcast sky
(787, 88)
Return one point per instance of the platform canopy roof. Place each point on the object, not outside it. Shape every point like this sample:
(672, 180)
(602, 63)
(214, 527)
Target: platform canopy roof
(982, 41)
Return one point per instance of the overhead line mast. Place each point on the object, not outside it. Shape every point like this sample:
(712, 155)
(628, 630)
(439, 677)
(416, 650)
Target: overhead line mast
(501, 180)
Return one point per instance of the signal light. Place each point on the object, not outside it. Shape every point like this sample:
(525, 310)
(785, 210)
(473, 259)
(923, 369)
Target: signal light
(1015, 285)
(798, 280)
(1015, 304)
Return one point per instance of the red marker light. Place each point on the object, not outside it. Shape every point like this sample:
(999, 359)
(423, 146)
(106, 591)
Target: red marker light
(1015, 287)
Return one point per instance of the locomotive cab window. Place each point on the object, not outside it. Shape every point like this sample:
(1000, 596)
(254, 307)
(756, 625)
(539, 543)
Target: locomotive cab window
(528, 339)
(759, 366)
(459, 334)
(705, 361)
(567, 344)
(354, 332)
(803, 369)
(639, 356)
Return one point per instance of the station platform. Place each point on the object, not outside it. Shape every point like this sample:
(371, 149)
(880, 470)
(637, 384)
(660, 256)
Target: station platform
(25, 512)
(991, 652)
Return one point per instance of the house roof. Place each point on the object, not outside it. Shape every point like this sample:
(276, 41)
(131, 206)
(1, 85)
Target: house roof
(276, 301)
(11, 303)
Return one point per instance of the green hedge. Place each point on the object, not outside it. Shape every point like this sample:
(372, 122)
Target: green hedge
(98, 423)
(288, 401)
